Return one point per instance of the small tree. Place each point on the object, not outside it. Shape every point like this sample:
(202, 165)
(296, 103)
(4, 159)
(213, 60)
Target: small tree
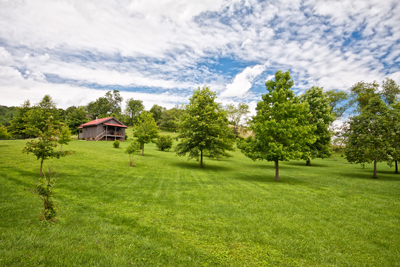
(43, 147)
(44, 191)
(3, 132)
(146, 129)
(116, 144)
(204, 127)
(133, 147)
(164, 142)
(65, 136)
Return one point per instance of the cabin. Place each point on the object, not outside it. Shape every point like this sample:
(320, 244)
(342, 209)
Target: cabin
(107, 129)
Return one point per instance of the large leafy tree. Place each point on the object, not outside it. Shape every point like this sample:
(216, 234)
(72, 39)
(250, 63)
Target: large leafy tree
(390, 91)
(115, 100)
(338, 102)
(321, 118)
(145, 130)
(75, 117)
(99, 108)
(170, 118)
(43, 113)
(281, 126)
(368, 134)
(204, 127)
(133, 109)
(18, 124)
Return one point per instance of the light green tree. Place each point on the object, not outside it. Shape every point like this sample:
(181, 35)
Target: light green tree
(133, 147)
(133, 109)
(204, 127)
(237, 115)
(64, 137)
(43, 113)
(3, 132)
(321, 117)
(145, 130)
(338, 102)
(281, 126)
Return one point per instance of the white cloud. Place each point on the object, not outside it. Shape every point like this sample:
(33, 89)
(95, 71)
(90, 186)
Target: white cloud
(243, 81)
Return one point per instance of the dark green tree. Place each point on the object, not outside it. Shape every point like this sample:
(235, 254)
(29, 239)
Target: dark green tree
(164, 142)
(43, 113)
(321, 117)
(145, 130)
(170, 118)
(367, 134)
(204, 127)
(99, 108)
(75, 117)
(18, 123)
(281, 126)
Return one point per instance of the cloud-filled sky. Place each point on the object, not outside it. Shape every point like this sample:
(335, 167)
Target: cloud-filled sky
(159, 51)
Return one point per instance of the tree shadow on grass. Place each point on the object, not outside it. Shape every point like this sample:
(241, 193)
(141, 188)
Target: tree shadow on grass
(303, 163)
(367, 174)
(196, 166)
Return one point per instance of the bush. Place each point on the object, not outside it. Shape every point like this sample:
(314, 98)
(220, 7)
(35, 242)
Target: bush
(132, 148)
(164, 142)
(116, 144)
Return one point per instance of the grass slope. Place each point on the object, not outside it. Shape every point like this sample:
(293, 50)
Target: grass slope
(169, 212)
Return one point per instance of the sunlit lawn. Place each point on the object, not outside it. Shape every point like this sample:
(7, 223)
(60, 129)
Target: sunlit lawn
(169, 212)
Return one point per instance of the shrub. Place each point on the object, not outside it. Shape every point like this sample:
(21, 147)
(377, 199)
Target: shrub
(116, 144)
(132, 148)
(164, 142)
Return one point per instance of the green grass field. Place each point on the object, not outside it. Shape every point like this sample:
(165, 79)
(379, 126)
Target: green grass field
(169, 212)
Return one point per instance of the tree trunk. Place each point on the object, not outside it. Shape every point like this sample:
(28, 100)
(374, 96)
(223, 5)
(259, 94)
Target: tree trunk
(61, 148)
(276, 170)
(143, 149)
(395, 166)
(335, 156)
(41, 168)
(308, 162)
(201, 158)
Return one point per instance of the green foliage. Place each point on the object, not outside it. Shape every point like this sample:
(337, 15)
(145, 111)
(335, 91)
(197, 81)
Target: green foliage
(170, 118)
(146, 129)
(164, 142)
(65, 136)
(338, 102)
(115, 100)
(3, 133)
(367, 134)
(133, 147)
(7, 114)
(321, 117)
(362, 92)
(157, 111)
(204, 127)
(18, 125)
(43, 113)
(104, 106)
(43, 147)
(44, 190)
(390, 91)
(133, 109)
(237, 115)
(75, 117)
(116, 144)
(281, 126)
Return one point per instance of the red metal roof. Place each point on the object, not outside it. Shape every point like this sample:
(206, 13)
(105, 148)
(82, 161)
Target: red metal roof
(118, 125)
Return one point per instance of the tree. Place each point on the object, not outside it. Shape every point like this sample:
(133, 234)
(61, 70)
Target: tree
(204, 127)
(3, 132)
(157, 111)
(43, 113)
(133, 147)
(164, 142)
(75, 117)
(394, 135)
(18, 124)
(390, 91)
(133, 109)
(170, 118)
(321, 117)
(65, 136)
(115, 100)
(43, 147)
(362, 92)
(236, 115)
(146, 129)
(281, 126)
(367, 134)
(338, 102)
(99, 108)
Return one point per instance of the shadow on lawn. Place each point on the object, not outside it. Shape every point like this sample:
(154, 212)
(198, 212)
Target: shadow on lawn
(367, 174)
(196, 166)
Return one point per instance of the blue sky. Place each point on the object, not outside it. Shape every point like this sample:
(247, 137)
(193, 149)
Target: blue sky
(159, 51)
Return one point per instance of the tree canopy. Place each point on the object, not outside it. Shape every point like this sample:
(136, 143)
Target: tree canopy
(204, 127)
(145, 130)
(281, 126)
(133, 109)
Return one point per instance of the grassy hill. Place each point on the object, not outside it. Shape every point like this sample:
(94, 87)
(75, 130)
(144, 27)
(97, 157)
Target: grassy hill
(169, 212)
